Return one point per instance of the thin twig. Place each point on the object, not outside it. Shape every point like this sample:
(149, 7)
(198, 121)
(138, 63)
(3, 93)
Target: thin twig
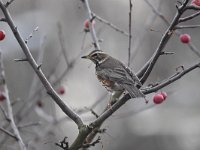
(157, 12)
(130, 32)
(9, 133)
(187, 26)
(62, 45)
(110, 24)
(5, 114)
(20, 59)
(172, 79)
(189, 17)
(191, 7)
(29, 125)
(91, 28)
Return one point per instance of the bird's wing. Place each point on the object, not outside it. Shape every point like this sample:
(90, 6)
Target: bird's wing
(133, 76)
(116, 75)
(119, 76)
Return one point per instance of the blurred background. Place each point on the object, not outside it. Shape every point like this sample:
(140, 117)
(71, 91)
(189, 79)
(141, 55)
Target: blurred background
(58, 45)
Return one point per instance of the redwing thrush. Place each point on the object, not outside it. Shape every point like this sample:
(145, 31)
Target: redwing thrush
(114, 75)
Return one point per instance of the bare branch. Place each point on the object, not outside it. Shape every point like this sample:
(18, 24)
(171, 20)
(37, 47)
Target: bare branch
(157, 12)
(189, 17)
(130, 33)
(9, 133)
(147, 68)
(29, 125)
(110, 24)
(191, 45)
(5, 114)
(192, 7)
(187, 26)
(10, 111)
(171, 79)
(65, 108)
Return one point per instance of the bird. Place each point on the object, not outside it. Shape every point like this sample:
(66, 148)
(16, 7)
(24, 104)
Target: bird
(114, 75)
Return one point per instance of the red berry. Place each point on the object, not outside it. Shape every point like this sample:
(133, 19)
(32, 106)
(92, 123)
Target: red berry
(158, 98)
(86, 24)
(196, 2)
(61, 90)
(39, 103)
(2, 96)
(185, 38)
(164, 94)
(2, 35)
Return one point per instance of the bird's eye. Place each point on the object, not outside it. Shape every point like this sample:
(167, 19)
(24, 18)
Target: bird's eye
(94, 55)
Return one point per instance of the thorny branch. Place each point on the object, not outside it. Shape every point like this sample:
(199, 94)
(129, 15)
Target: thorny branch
(187, 26)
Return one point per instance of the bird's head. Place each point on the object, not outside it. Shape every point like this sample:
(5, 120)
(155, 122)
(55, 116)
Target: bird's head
(96, 56)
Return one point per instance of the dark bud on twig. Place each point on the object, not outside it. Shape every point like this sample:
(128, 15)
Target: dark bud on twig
(167, 53)
(180, 68)
(39, 66)
(92, 144)
(63, 144)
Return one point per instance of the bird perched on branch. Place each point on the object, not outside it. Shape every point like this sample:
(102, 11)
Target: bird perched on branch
(114, 75)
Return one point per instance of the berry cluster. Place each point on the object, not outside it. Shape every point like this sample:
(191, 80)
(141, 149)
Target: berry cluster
(158, 98)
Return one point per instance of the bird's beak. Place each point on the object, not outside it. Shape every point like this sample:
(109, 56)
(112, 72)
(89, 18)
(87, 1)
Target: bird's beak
(86, 57)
